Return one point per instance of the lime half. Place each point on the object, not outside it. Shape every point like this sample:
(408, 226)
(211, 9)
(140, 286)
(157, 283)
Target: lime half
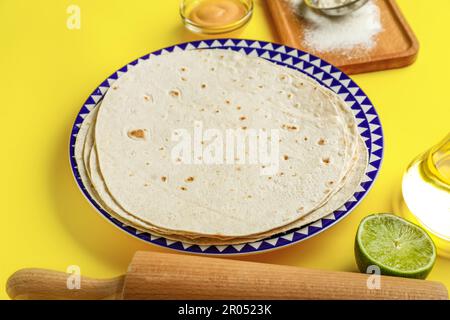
(396, 246)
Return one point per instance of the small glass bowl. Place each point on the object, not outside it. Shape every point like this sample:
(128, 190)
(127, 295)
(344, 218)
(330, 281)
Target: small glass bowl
(340, 10)
(207, 29)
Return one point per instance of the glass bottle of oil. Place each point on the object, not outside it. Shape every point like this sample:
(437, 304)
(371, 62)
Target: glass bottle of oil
(215, 16)
(426, 193)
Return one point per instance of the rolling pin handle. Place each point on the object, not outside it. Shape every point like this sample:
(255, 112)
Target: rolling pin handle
(42, 284)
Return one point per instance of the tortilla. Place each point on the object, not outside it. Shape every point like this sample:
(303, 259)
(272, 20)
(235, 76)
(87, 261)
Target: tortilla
(222, 201)
(351, 182)
(135, 179)
(335, 202)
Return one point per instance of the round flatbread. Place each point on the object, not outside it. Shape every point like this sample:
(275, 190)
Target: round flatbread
(220, 90)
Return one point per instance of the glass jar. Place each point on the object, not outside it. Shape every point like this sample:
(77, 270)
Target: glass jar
(426, 193)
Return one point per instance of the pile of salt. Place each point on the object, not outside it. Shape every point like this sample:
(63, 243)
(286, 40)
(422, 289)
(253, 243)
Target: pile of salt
(355, 30)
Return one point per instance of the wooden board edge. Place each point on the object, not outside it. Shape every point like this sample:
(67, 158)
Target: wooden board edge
(281, 23)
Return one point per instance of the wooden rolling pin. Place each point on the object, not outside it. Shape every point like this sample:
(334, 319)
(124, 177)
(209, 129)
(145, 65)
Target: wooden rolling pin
(154, 275)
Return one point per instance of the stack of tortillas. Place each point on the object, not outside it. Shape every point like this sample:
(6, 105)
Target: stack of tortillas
(126, 149)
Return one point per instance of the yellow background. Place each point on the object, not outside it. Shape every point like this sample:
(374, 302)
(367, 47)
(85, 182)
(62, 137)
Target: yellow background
(47, 72)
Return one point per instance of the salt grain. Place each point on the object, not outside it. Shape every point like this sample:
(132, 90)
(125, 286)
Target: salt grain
(356, 30)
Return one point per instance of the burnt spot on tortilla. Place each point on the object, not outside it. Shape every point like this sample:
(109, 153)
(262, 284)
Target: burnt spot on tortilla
(183, 188)
(244, 128)
(321, 142)
(175, 93)
(285, 157)
(305, 138)
(183, 79)
(163, 179)
(137, 134)
(227, 101)
(290, 127)
(115, 87)
(189, 179)
(203, 86)
(238, 107)
(330, 183)
(148, 98)
(242, 118)
(183, 69)
(326, 160)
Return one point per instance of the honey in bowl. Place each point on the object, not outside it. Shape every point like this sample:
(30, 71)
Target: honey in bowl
(215, 16)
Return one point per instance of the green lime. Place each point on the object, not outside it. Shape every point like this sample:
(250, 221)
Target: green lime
(396, 246)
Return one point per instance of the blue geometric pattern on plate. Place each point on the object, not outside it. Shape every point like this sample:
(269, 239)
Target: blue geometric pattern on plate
(367, 119)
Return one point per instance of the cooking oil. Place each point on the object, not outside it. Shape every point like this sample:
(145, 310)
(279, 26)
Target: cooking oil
(215, 16)
(426, 193)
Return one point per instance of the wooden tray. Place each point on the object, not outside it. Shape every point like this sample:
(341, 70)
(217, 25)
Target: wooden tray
(397, 46)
